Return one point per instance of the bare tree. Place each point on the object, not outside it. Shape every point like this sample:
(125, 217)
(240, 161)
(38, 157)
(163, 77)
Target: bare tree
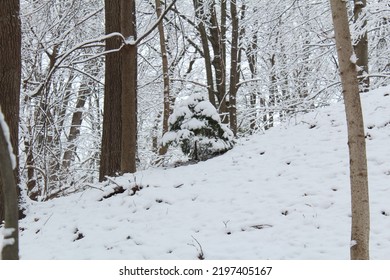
(121, 17)
(166, 80)
(356, 140)
(234, 66)
(110, 160)
(129, 86)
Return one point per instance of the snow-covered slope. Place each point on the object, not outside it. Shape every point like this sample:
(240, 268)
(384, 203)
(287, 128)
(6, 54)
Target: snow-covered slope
(280, 195)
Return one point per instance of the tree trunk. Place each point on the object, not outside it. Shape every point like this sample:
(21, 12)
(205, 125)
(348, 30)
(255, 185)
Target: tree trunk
(234, 74)
(110, 158)
(219, 60)
(164, 54)
(200, 14)
(356, 140)
(361, 47)
(10, 75)
(129, 87)
(10, 198)
(74, 131)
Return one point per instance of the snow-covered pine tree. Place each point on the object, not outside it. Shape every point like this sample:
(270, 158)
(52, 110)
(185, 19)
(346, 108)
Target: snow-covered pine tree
(196, 127)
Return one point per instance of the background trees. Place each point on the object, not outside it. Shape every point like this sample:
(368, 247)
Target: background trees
(261, 63)
(62, 87)
(100, 78)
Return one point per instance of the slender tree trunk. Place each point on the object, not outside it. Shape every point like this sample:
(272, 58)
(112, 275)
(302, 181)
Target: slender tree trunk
(74, 131)
(219, 60)
(129, 87)
(110, 158)
(361, 47)
(233, 67)
(164, 54)
(356, 140)
(273, 90)
(32, 192)
(10, 75)
(200, 12)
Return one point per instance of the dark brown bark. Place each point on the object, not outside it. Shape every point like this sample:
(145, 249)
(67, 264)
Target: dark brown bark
(234, 74)
(10, 79)
(360, 232)
(110, 158)
(219, 60)
(10, 200)
(129, 87)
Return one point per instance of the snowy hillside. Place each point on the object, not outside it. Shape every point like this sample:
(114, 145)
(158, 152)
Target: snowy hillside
(279, 195)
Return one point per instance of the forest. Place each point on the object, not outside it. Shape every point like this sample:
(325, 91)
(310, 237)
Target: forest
(95, 93)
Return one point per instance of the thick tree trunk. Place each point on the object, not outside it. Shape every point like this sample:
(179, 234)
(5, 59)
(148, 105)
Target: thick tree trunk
(361, 47)
(129, 87)
(10, 198)
(10, 75)
(356, 140)
(110, 158)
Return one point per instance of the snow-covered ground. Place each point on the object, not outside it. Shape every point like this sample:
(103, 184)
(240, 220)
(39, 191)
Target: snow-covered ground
(280, 195)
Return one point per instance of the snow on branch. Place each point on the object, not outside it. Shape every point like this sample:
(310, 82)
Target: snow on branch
(154, 26)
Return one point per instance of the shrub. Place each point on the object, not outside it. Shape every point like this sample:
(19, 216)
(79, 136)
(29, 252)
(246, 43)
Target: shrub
(196, 127)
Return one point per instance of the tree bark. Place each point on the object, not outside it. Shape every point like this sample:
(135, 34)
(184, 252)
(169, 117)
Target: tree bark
(74, 131)
(110, 158)
(361, 47)
(10, 75)
(10, 198)
(219, 60)
(164, 54)
(356, 139)
(129, 87)
(200, 12)
(234, 74)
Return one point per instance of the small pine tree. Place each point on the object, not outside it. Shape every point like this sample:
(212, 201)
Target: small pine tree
(196, 127)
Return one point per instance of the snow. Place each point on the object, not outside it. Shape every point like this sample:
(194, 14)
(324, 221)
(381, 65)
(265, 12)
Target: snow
(6, 234)
(353, 58)
(283, 194)
(130, 40)
(7, 139)
(205, 108)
